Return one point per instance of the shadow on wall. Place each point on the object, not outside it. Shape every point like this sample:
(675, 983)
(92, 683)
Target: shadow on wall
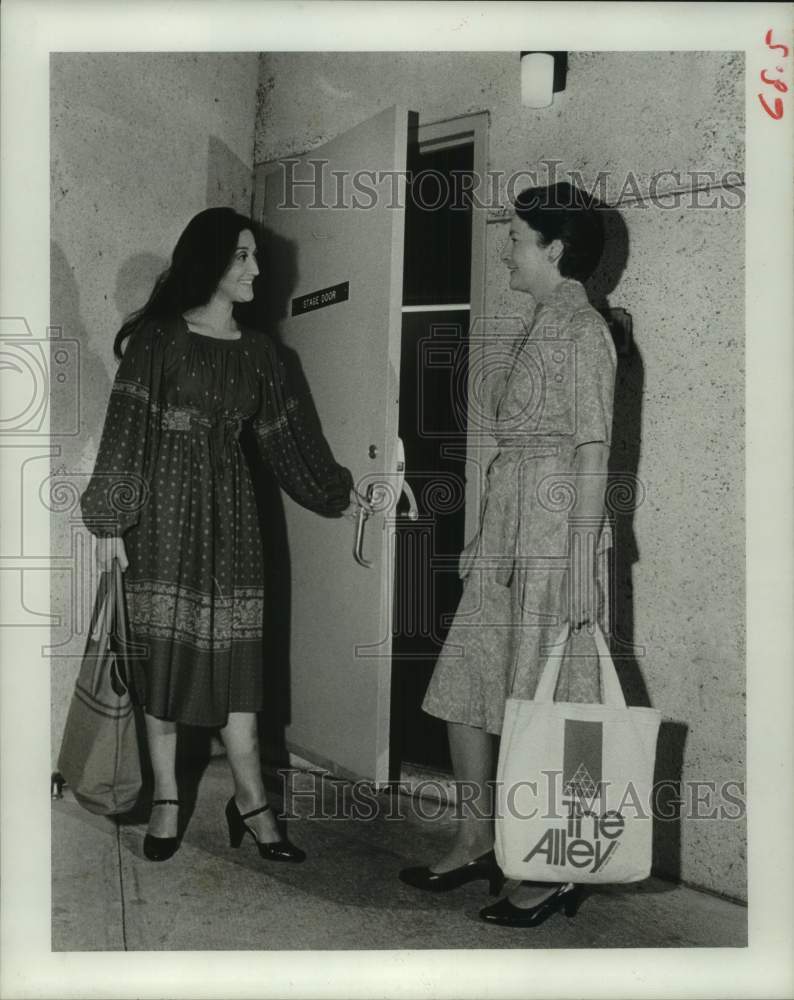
(228, 177)
(133, 285)
(93, 381)
(624, 494)
(135, 281)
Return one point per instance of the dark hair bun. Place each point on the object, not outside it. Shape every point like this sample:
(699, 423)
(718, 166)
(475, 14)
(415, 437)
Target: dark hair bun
(564, 212)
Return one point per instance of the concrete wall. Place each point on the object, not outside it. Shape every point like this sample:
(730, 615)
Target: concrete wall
(680, 395)
(139, 144)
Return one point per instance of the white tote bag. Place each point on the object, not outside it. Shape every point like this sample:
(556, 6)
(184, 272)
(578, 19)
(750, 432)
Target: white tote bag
(574, 782)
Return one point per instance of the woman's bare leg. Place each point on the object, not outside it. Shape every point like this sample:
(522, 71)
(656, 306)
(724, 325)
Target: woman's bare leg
(162, 750)
(473, 753)
(241, 739)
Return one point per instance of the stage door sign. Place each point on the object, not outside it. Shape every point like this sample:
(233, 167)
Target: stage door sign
(320, 299)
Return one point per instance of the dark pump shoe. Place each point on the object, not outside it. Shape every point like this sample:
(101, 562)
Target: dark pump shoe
(277, 850)
(565, 897)
(161, 848)
(484, 867)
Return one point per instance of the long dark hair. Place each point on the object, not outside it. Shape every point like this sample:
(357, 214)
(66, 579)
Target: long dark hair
(564, 212)
(200, 258)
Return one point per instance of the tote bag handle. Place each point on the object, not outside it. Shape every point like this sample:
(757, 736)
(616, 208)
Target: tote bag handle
(611, 691)
(101, 619)
(120, 640)
(120, 613)
(109, 617)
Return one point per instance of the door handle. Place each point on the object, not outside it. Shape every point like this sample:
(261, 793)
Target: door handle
(361, 521)
(413, 510)
(380, 496)
(403, 486)
(377, 497)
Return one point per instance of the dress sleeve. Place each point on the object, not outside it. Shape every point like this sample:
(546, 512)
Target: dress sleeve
(118, 488)
(594, 383)
(291, 441)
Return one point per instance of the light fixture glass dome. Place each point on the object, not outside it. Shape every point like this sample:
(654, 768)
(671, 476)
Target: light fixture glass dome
(537, 79)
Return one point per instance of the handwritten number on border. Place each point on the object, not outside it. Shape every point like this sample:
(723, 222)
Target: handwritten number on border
(776, 111)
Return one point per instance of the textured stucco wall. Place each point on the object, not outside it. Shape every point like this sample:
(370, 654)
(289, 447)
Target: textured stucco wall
(139, 143)
(680, 396)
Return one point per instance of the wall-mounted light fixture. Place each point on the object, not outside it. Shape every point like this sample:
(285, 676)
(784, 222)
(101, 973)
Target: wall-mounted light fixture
(542, 76)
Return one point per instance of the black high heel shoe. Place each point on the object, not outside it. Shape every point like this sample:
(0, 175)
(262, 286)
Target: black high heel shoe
(277, 850)
(161, 848)
(566, 897)
(484, 867)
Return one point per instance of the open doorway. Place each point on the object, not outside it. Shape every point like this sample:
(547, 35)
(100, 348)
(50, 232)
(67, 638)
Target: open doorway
(443, 290)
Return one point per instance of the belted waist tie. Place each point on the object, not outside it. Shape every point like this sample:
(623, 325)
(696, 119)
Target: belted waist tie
(513, 449)
(224, 437)
(223, 432)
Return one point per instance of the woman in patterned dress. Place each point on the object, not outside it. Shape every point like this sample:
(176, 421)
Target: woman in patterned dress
(551, 400)
(171, 499)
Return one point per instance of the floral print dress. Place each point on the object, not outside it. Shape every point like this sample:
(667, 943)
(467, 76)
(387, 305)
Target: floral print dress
(171, 478)
(556, 395)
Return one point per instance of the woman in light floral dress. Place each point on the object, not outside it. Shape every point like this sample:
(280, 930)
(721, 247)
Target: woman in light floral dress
(551, 398)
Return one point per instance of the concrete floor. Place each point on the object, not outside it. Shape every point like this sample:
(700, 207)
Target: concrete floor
(106, 896)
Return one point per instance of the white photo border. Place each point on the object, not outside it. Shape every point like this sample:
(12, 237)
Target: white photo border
(31, 29)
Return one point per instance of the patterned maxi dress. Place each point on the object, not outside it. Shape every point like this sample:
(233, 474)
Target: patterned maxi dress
(170, 476)
(556, 396)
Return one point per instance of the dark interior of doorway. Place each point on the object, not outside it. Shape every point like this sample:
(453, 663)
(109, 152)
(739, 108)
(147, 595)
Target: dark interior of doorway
(436, 295)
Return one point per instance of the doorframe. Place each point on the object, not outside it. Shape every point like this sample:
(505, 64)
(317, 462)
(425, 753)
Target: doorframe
(445, 134)
(470, 129)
